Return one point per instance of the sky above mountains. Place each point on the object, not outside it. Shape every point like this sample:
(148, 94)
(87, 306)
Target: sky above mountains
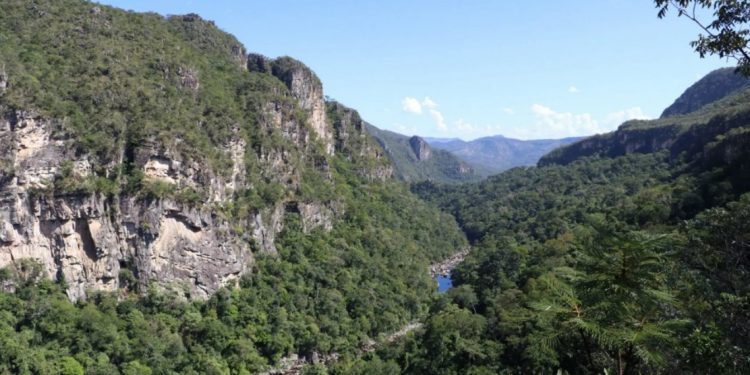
(523, 69)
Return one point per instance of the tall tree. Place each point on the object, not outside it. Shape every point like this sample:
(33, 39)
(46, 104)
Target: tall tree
(614, 304)
(726, 35)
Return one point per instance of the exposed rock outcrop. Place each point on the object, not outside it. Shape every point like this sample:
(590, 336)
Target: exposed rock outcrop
(305, 86)
(87, 238)
(445, 267)
(90, 238)
(464, 169)
(188, 78)
(29, 149)
(353, 140)
(421, 149)
(674, 134)
(713, 106)
(3, 80)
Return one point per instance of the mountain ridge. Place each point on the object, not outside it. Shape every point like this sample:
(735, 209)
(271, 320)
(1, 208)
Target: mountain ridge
(498, 153)
(415, 160)
(712, 124)
(710, 88)
(549, 283)
(179, 165)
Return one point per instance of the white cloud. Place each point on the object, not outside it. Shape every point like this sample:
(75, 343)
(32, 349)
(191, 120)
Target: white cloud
(439, 120)
(411, 105)
(553, 124)
(573, 90)
(429, 103)
(564, 123)
(546, 122)
(464, 127)
(614, 119)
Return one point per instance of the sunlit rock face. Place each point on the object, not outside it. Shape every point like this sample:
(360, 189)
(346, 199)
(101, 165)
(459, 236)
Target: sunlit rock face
(191, 248)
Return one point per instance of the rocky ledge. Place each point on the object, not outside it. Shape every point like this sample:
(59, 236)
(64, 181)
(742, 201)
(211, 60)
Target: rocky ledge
(445, 267)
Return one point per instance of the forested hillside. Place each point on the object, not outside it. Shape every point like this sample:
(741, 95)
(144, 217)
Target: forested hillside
(414, 160)
(627, 262)
(172, 205)
(712, 87)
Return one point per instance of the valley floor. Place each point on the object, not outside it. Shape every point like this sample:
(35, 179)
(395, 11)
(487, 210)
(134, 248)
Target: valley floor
(294, 364)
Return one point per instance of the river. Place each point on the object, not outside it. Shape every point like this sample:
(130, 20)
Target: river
(293, 364)
(444, 283)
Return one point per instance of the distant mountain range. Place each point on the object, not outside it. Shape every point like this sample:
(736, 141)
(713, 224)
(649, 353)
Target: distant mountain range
(497, 153)
(414, 160)
(453, 160)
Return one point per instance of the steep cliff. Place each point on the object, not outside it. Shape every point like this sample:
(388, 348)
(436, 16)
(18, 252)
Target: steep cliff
(414, 160)
(176, 165)
(420, 148)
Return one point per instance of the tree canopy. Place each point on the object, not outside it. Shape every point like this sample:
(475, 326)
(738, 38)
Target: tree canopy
(726, 35)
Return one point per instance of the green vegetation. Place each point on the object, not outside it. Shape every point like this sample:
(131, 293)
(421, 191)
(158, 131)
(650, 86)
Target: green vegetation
(117, 83)
(600, 273)
(714, 86)
(614, 257)
(726, 35)
(325, 292)
(682, 135)
(442, 166)
(119, 87)
(629, 264)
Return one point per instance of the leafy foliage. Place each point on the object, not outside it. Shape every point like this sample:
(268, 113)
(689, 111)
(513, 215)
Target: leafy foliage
(726, 35)
(325, 292)
(633, 263)
(121, 81)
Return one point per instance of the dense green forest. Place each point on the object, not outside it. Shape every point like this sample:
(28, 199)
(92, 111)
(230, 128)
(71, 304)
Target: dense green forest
(622, 253)
(116, 84)
(634, 263)
(325, 292)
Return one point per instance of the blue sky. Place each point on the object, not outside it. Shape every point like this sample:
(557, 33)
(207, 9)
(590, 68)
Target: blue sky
(472, 68)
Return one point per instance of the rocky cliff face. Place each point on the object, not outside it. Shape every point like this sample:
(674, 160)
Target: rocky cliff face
(621, 142)
(305, 86)
(89, 238)
(420, 147)
(3, 80)
(95, 240)
(414, 160)
(353, 141)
